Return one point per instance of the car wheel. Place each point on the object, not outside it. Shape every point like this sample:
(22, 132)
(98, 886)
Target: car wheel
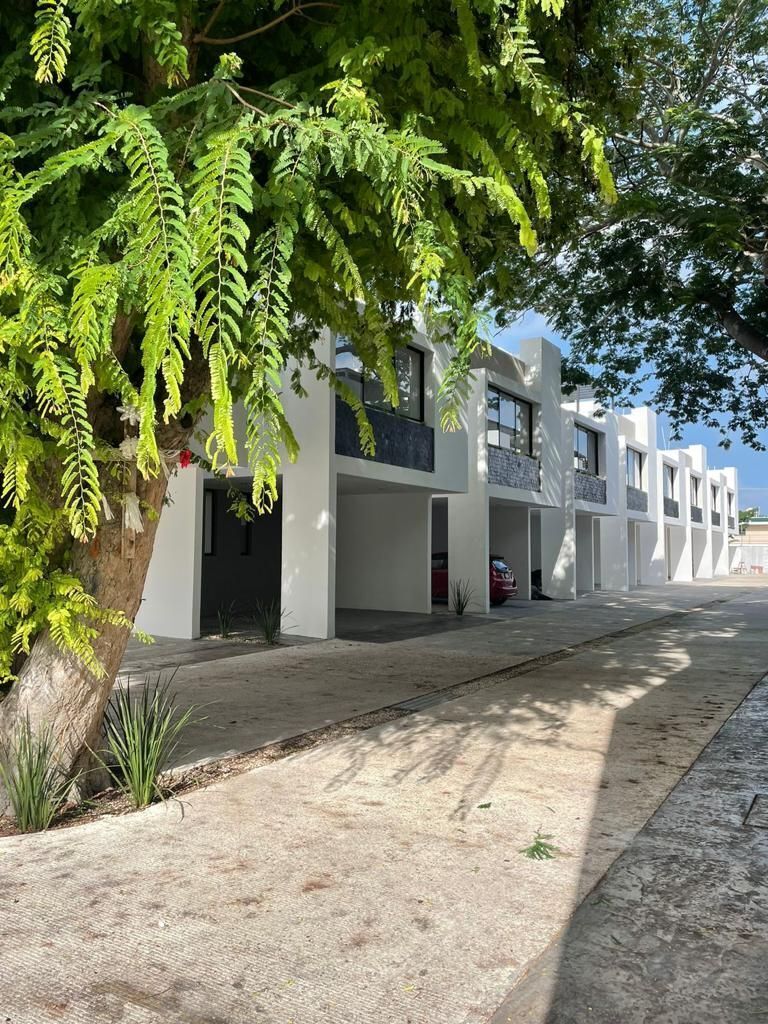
(498, 602)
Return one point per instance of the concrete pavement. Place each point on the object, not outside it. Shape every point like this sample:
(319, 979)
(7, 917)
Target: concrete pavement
(379, 877)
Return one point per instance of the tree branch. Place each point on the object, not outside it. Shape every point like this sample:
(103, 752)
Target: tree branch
(737, 328)
(296, 9)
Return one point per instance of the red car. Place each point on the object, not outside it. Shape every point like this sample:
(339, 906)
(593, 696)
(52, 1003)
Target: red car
(500, 577)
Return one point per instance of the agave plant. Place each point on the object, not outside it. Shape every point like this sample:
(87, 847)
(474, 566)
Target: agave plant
(33, 781)
(142, 732)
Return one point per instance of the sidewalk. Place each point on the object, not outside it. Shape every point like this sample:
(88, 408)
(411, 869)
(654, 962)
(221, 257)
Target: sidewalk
(378, 878)
(247, 699)
(678, 929)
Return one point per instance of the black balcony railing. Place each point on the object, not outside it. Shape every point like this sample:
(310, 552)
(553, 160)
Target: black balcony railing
(510, 469)
(697, 514)
(671, 508)
(637, 500)
(590, 488)
(715, 518)
(399, 441)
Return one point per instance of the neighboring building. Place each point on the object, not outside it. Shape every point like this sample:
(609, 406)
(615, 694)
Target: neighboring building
(749, 549)
(560, 488)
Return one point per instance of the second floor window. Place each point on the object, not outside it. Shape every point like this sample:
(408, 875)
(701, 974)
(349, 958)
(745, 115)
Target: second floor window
(635, 468)
(509, 422)
(696, 491)
(730, 503)
(669, 482)
(409, 371)
(715, 499)
(585, 450)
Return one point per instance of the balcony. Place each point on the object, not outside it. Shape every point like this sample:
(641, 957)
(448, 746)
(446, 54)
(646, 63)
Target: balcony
(697, 514)
(589, 488)
(715, 518)
(671, 508)
(509, 469)
(637, 500)
(399, 441)
(731, 522)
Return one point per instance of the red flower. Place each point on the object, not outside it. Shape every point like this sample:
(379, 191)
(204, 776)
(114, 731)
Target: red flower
(185, 457)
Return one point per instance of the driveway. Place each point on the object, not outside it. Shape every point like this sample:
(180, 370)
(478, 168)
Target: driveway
(379, 878)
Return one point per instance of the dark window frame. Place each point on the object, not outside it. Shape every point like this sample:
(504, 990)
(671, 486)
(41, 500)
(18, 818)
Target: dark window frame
(696, 491)
(640, 457)
(715, 498)
(578, 458)
(668, 473)
(368, 377)
(519, 403)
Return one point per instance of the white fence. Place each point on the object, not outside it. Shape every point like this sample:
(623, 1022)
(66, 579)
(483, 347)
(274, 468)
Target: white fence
(751, 559)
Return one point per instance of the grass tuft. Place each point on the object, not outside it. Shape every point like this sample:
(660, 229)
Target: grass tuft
(142, 732)
(461, 594)
(268, 617)
(36, 787)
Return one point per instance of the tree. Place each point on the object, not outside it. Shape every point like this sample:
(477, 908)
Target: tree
(190, 190)
(666, 291)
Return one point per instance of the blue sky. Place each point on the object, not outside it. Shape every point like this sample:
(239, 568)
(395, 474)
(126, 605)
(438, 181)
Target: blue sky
(751, 465)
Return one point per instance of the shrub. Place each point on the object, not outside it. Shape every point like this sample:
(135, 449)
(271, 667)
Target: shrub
(142, 734)
(35, 785)
(268, 617)
(461, 595)
(226, 614)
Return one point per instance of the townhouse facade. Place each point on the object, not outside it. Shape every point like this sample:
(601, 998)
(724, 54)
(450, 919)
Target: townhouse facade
(573, 498)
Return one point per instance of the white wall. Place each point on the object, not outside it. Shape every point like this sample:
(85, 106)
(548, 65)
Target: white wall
(384, 551)
(510, 538)
(308, 581)
(171, 602)
(585, 555)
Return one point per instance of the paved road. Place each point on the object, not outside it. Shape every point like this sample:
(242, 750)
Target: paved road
(379, 878)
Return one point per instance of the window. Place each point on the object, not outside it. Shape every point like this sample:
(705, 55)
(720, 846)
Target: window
(669, 482)
(366, 384)
(635, 468)
(509, 422)
(208, 522)
(585, 450)
(730, 503)
(696, 491)
(715, 499)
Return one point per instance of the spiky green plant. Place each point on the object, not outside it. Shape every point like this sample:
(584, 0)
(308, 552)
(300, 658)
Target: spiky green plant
(461, 594)
(142, 732)
(225, 613)
(268, 618)
(32, 779)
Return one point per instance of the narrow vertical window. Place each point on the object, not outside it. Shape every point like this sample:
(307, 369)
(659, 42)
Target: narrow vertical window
(208, 521)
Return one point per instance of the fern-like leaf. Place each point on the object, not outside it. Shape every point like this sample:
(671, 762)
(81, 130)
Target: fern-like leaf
(50, 44)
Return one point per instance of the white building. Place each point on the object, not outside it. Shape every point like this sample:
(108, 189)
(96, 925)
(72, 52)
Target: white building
(573, 496)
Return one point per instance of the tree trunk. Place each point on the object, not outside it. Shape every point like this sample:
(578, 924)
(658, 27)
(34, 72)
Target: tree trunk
(54, 690)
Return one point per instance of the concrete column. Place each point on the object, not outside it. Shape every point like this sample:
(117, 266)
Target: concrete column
(468, 544)
(384, 552)
(511, 537)
(585, 554)
(468, 514)
(558, 525)
(171, 602)
(308, 583)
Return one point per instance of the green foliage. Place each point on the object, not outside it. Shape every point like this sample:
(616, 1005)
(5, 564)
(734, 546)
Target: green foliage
(35, 786)
(142, 734)
(268, 616)
(178, 222)
(225, 614)
(540, 848)
(664, 295)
